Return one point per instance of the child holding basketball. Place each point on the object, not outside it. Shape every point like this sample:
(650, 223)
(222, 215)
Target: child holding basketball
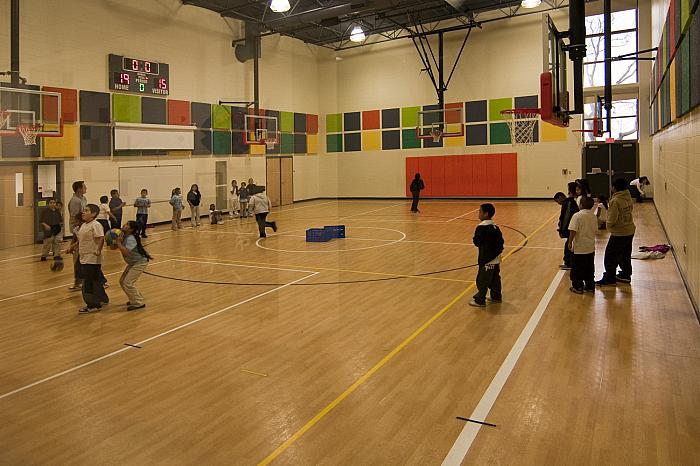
(142, 204)
(89, 246)
(176, 202)
(489, 239)
(51, 224)
(136, 258)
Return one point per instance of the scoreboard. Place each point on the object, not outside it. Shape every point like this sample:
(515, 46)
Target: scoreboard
(140, 76)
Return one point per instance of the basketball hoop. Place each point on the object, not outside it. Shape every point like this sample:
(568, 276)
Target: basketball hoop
(29, 133)
(270, 144)
(4, 117)
(521, 123)
(436, 133)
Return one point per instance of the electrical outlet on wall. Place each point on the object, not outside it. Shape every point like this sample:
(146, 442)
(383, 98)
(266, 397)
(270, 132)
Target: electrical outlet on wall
(564, 171)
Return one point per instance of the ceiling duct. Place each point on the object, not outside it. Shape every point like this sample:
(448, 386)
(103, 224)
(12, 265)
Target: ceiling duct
(315, 15)
(251, 46)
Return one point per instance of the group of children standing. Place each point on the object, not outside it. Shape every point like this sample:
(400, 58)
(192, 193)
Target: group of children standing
(578, 224)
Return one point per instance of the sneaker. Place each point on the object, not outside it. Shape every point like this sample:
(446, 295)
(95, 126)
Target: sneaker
(602, 282)
(564, 267)
(274, 227)
(43, 259)
(494, 300)
(134, 307)
(576, 290)
(589, 290)
(75, 288)
(622, 279)
(88, 310)
(476, 304)
(144, 236)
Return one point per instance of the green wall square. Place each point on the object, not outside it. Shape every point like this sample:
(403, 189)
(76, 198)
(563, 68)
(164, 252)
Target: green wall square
(222, 143)
(496, 105)
(334, 143)
(685, 15)
(409, 117)
(334, 123)
(126, 108)
(221, 116)
(499, 132)
(287, 141)
(287, 122)
(409, 139)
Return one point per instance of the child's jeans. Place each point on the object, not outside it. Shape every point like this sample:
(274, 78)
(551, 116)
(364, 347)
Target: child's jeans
(583, 271)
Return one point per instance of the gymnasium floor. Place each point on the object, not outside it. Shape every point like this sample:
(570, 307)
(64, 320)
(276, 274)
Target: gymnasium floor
(356, 351)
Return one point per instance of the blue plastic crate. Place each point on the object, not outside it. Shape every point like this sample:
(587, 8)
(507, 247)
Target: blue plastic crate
(317, 235)
(337, 231)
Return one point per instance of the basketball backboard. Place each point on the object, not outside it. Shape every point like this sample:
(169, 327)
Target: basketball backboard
(441, 123)
(27, 105)
(554, 94)
(261, 129)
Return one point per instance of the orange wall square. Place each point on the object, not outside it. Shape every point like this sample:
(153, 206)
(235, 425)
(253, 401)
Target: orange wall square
(370, 119)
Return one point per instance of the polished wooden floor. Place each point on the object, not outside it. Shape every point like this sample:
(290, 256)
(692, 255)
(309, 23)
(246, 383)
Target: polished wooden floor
(360, 351)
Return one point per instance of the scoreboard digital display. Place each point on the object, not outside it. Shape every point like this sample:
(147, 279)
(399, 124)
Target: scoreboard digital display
(139, 76)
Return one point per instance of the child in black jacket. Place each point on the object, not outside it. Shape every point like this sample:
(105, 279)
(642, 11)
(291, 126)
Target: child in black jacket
(568, 208)
(489, 239)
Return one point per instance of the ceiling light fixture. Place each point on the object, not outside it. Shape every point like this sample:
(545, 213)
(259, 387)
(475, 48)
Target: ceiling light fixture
(280, 6)
(357, 34)
(530, 3)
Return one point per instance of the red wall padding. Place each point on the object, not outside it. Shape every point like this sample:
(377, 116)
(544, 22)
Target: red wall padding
(482, 175)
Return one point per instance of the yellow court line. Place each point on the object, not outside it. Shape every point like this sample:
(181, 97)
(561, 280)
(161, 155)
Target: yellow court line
(321, 414)
(320, 268)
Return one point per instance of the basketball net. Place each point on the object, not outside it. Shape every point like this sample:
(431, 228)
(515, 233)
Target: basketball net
(436, 133)
(29, 133)
(521, 123)
(4, 118)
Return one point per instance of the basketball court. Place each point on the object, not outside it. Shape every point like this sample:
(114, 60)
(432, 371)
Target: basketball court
(346, 336)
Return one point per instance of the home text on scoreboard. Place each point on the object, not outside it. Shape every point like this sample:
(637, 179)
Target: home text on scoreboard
(140, 76)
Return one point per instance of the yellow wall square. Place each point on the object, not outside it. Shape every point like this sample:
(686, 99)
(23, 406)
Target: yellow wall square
(257, 149)
(453, 141)
(312, 143)
(371, 140)
(64, 147)
(551, 133)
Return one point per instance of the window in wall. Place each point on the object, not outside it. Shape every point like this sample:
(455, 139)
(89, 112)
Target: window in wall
(623, 124)
(624, 40)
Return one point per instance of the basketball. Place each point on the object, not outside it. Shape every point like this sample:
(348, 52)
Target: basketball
(57, 265)
(111, 237)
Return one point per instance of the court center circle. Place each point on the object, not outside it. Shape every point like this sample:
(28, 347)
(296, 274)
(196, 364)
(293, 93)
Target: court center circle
(388, 243)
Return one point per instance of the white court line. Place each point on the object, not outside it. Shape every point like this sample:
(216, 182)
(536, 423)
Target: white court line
(461, 446)
(18, 258)
(167, 332)
(470, 212)
(370, 211)
(241, 265)
(68, 284)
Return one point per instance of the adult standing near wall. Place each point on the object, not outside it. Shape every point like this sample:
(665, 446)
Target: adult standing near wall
(260, 206)
(194, 198)
(417, 186)
(621, 226)
(637, 188)
(76, 206)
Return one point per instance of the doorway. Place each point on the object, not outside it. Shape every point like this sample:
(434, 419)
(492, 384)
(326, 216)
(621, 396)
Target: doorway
(16, 205)
(280, 180)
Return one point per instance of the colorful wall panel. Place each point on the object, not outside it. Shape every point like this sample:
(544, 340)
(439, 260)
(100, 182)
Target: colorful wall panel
(478, 175)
